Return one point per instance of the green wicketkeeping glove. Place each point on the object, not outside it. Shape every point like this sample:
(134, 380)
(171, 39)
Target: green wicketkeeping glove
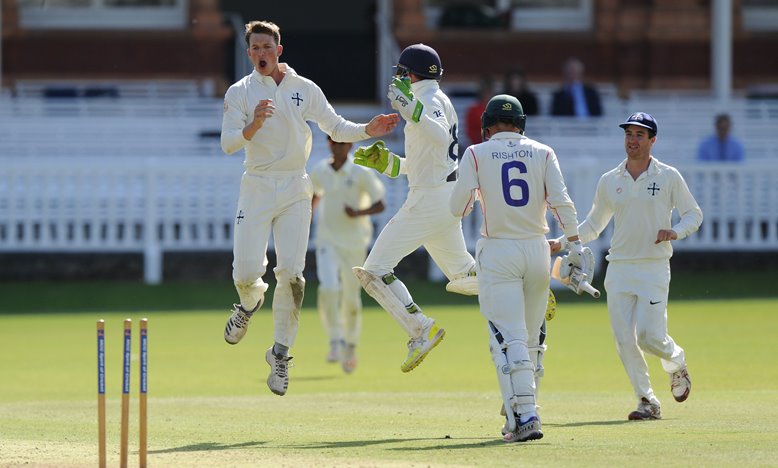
(377, 156)
(403, 101)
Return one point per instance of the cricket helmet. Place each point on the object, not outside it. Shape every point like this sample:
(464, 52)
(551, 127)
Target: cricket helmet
(422, 60)
(503, 108)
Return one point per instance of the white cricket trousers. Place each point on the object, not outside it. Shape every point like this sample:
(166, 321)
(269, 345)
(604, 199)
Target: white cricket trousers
(423, 220)
(513, 279)
(278, 202)
(339, 294)
(637, 305)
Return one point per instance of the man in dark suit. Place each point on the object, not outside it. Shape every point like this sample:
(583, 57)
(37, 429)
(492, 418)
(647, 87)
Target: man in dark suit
(575, 98)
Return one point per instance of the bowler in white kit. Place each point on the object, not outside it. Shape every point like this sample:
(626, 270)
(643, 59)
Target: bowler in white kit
(266, 113)
(515, 179)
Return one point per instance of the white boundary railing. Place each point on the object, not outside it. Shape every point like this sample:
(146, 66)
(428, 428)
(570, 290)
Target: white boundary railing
(152, 205)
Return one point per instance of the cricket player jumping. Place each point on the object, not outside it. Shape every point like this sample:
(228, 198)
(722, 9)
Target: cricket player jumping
(266, 113)
(515, 178)
(430, 163)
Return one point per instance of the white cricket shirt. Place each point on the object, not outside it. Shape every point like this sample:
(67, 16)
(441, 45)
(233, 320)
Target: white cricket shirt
(283, 144)
(431, 148)
(640, 208)
(352, 185)
(515, 179)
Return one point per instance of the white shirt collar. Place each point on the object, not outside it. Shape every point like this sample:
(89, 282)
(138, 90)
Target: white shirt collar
(424, 84)
(506, 135)
(283, 67)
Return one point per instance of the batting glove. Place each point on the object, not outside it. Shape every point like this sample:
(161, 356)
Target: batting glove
(403, 101)
(580, 257)
(377, 156)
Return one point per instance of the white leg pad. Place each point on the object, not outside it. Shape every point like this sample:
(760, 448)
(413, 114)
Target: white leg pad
(379, 291)
(536, 354)
(465, 285)
(503, 380)
(511, 375)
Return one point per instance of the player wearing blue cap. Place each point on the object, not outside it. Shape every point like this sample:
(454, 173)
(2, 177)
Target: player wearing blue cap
(640, 195)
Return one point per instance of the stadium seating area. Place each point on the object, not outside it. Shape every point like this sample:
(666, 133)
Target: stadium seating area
(140, 169)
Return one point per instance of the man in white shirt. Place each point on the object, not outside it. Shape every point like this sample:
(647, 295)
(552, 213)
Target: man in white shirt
(345, 195)
(640, 195)
(514, 178)
(267, 113)
(430, 163)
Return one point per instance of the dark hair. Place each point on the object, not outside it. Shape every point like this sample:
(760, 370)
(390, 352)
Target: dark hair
(263, 27)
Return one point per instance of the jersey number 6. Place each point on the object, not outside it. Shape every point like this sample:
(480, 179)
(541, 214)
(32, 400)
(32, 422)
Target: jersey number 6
(508, 182)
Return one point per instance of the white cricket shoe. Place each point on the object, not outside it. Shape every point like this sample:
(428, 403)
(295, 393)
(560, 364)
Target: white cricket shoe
(349, 362)
(646, 411)
(680, 384)
(238, 323)
(336, 351)
(418, 348)
(278, 380)
(530, 430)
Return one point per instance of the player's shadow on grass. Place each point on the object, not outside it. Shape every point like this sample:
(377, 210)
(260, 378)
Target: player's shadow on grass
(208, 446)
(315, 378)
(482, 442)
(591, 423)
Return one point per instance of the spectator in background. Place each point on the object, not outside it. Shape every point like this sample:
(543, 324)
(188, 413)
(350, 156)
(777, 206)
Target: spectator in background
(722, 146)
(516, 85)
(575, 98)
(473, 117)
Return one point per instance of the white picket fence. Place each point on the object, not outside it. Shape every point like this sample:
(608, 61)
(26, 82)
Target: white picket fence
(153, 205)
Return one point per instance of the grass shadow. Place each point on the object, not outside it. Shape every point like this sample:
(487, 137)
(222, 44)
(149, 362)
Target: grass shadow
(487, 442)
(591, 423)
(208, 446)
(368, 443)
(315, 378)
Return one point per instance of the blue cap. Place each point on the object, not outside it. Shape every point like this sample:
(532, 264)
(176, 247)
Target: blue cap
(641, 119)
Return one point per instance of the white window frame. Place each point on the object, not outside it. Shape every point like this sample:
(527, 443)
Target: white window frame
(760, 18)
(101, 16)
(580, 18)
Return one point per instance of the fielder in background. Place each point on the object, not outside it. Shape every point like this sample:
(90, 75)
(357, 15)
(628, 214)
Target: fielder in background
(640, 195)
(345, 195)
(514, 178)
(430, 163)
(267, 113)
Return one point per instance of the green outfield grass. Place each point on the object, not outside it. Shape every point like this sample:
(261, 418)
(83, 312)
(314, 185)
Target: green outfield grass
(209, 405)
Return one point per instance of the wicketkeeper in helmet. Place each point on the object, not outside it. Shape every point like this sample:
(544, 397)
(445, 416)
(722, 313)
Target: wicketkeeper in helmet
(430, 163)
(515, 179)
